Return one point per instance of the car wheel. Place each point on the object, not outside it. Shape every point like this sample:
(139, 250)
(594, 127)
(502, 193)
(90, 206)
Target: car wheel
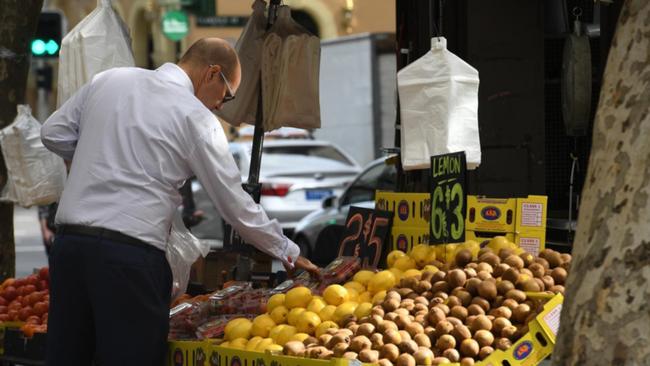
(305, 248)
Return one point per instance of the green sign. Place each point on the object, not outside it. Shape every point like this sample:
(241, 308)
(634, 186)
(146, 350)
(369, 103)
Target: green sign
(175, 25)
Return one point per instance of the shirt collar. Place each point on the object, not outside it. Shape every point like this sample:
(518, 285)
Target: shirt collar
(175, 74)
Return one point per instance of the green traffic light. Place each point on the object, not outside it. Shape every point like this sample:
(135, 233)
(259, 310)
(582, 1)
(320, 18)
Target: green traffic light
(38, 47)
(51, 47)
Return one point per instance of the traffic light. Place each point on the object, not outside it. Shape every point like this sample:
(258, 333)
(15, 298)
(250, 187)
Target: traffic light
(47, 41)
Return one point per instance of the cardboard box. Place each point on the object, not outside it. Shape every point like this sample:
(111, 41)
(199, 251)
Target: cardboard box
(404, 237)
(410, 209)
(491, 214)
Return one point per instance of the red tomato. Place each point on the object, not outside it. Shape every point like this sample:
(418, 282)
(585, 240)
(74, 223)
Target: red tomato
(40, 308)
(15, 305)
(44, 273)
(3, 301)
(25, 313)
(27, 289)
(44, 319)
(10, 293)
(8, 282)
(3, 309)
(32, 279)
(13, 315)
(20, 282)
(28, 330)
(4, 318)
(42, 285)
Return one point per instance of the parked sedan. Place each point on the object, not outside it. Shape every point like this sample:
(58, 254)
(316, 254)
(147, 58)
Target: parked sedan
(361, 192)
(296, 175)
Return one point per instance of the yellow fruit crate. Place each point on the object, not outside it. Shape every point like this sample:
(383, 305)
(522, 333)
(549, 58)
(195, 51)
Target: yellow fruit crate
(491, 214)
(410, 209)
(189, 353)
(404, 238)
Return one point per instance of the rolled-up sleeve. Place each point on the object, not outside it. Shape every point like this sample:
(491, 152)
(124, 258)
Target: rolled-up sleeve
(60, 131)
(215, 168)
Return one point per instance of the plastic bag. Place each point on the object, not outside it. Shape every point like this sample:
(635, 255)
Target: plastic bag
(35, 175)
(99, 42)
(249, 48)
(439, 108)
(183, 249)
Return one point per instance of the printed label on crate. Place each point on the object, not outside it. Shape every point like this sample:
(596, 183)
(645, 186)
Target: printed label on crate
(531, 245)
(491, 213)
(403, 210)
(523, 350)
(552, 319)
(531, 214)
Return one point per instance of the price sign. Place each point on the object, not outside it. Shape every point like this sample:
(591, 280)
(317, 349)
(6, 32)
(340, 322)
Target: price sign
(448, 203)
(365, 235)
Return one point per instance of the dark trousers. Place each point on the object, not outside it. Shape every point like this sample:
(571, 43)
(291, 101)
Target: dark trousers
(109, 303)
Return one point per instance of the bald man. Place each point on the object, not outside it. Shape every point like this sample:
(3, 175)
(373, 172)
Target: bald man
(133, 137)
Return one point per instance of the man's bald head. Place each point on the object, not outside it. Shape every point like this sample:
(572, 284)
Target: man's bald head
(212, 51)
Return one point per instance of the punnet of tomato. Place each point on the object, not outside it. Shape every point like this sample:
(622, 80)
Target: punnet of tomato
(25, 302)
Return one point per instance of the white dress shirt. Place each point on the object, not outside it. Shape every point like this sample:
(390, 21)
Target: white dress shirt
(134, 136)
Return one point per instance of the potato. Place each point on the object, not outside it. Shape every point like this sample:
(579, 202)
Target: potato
(423, 357)
(339, 349)
(414, 328)
(369, 355)
(559, 275)
(517, 295)
(514, 261)
(377, 341)
(475, 309)
(481, 322)
(484, 338)
(503, 344)
(422, 340)
(445, 342)
(389, 351)
(459, 312)
(485, 352)
(359, 343)
(521, 313)
(482, 302)
(294, 348)
(436, 315)
(452, 354)
(390, 305)
(467, 361)
(469, 348)
(392, 336)
(444, 327)
(405, 360)
(365, 330)
(350, 355)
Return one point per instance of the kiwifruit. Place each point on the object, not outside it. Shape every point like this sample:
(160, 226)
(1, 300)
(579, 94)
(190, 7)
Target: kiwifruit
(475, 309)
(504, 286)
(444, 327)
(516, 295)
(436, 315)
(469, 348)
(530, 285)
(515, 261)
(557, 289)
(389, 351)
(490, 258)
(393, 294)
(470, 272)
(472, 285)
(405, 360)
(503, 344)
(409, 347)
(422, 340)
(483, 303)
(481, 322)
(487, 290)
(521, 313)
(527, 258)
(559, 275)
(543, 262)
(453, 301)
(454, 321)
(464, 296)
(505, 253)
(456, 278)
(484, 337)
(445, 341)
(548, 282)
(484, 276)
(499, 324)
(500, 269)
(511, 274)
(451, 354)
(463, 257)
(483, 266)
(438, 276)
(414, 328)
(484, 352)
(510, 303)
(502, 312)
(461, 332)
(467, 361)
(459, 312)
(423, 286)
(444, 308)
(423, 357)
(441, 286)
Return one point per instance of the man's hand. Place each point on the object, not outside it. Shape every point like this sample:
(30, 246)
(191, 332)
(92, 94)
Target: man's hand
(307, 265)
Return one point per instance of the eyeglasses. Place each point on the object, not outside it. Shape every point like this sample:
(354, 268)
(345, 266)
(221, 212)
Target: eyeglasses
(229, 93)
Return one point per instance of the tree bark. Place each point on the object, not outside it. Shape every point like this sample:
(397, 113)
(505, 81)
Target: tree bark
(18, 21)
(606, 314)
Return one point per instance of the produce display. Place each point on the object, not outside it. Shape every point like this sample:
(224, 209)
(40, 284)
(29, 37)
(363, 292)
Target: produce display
(432, 306)
(25, 302)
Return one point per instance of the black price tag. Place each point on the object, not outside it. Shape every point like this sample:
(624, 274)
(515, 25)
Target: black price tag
(365, 235)
(448, 203)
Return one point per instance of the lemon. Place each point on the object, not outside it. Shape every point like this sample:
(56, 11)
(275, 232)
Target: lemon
(365, 297)
(327, 313)
(363, 277)
(292, 318)
(363, 310)
(316, 304)
(225, 344)
(279, 314)
(430, 268)
(393, 256)
(379, 297)
(275, 332)
(412, 273)
(262, 325)
(241, 329)
(275, 301)
(497, 243)
(397, 273)
(421, 255)
(274, 348)
(336, 295)
(450, 252)
(252, 343)
(324, 326)
(356, 286)
(405, 263)
(232, 323)
(263, 344)
(353, 295)
(344, 310)
(298, 297)
(300, 337)
(239, 343)
(307, 322)
(383, 280)
(284, 334)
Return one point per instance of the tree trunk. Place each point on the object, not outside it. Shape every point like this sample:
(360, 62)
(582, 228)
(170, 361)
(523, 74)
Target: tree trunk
(606, 315)
(18, 20)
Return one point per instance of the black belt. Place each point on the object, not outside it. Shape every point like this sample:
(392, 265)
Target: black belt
(102, 233)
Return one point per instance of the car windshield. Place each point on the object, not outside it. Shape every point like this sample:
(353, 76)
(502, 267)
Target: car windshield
(320, 151)
(381, 176)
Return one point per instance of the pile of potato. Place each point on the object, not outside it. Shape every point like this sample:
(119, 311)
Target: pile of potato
(460, 313)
